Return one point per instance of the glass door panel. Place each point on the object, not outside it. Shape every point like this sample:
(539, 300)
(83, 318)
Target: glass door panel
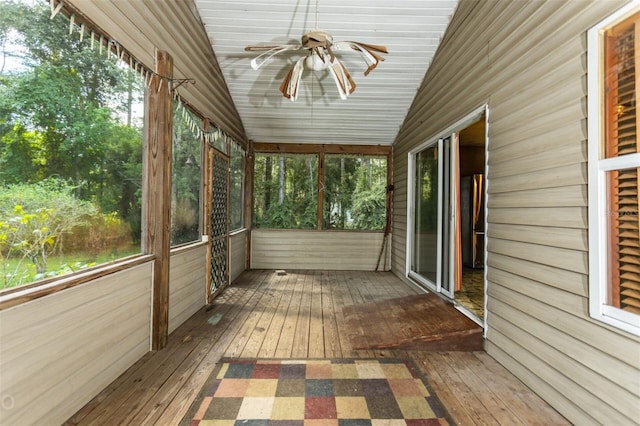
(425, 241)
(432, 248)
(445, 227)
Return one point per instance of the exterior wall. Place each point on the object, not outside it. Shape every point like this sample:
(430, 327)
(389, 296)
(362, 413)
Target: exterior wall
(527, 62)
(187, 284)
(61, 350)
(237, 254)
(324, 250)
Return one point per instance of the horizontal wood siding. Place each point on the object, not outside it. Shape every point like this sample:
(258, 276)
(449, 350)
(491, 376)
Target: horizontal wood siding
(187, 284)
(527, 62)
(173, 26)
(324, 250)
(237, 254)
(61, 350)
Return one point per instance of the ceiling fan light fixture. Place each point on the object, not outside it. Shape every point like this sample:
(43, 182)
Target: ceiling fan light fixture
(315, 62)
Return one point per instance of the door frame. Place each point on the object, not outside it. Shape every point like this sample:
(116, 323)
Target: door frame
(437, 139)
(214, 292)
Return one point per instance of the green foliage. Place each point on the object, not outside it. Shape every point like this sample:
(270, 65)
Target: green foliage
(69, 146)
(185, 180)
(285, 191)
(34, 219)
(427, 190)
(21, 155)
(355, 192)
(369, 208)
(41, 220)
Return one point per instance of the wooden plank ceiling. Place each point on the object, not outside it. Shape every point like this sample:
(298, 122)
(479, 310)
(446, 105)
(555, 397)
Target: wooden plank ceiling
(373, 114)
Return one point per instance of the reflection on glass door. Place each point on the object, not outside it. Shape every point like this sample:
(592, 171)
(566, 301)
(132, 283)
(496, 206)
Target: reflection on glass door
(425, 242)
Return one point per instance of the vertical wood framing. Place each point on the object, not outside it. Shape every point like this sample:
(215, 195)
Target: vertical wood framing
(248, 200)
(157, 188)
(384, 250)
(320, 193)
(206, 182)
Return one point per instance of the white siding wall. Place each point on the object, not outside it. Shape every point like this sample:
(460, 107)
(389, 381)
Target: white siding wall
(527, 61)
(324, 250)
(237, 254)
(61, 350)
(187, 284)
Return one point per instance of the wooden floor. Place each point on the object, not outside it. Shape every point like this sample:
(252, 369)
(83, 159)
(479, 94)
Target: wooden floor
(419, 322)
(299, 315)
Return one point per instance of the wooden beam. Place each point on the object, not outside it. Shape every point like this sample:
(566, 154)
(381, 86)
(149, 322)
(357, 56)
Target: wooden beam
(206, 183)
(320, 191)
(298, 148)
(389, 199)
(157, 192)
(248, 200)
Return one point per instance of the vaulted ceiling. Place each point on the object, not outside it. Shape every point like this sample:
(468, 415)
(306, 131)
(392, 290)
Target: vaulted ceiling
(410, 29)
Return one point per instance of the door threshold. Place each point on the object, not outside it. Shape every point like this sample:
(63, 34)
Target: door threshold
(468, 313)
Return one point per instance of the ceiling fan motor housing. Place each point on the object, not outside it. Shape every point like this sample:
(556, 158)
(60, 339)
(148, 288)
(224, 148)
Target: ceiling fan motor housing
(316, 39)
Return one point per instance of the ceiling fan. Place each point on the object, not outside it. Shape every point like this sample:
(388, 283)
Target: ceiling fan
(319, 47)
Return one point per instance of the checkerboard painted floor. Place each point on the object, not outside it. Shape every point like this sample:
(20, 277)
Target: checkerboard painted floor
(341, 392)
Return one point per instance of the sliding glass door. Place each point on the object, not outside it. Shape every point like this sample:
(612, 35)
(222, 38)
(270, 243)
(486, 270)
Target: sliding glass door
(446, 199)
(432, 214)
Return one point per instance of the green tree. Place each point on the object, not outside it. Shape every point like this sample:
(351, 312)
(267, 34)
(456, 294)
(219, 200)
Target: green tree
(294, 178)
(369, 197)
(65, 113)
(185, 179)
(59, 114)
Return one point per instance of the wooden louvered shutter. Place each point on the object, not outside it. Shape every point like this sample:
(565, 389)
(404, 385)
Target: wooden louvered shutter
(621, 130)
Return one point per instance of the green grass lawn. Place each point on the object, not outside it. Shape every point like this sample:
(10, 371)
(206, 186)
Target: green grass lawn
(14, 272)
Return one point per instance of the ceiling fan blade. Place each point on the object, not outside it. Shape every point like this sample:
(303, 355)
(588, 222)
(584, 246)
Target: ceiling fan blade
(267, 56)
(372, 59)
(291, 82)
(261, 47)
(377, 47)
(342, 78)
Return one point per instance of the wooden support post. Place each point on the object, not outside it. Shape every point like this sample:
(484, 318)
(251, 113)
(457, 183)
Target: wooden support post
(320, 211)
(157, 192)
(389, 198)
(206, 183)
(248, 199)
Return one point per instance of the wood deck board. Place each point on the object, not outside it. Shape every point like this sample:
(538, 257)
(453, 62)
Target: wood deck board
(518, 398)
(293, 310)
(467, 375)
(332, 345)
(316, 328)
(285, 343)
(461, 408)
(300, 346)
(420, 322)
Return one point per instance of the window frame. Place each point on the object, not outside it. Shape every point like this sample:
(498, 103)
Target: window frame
(321, 151)
(193, 121)
(598, 166)
(313, 197)
(330, 156)
(234, 149)
(16, 295)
